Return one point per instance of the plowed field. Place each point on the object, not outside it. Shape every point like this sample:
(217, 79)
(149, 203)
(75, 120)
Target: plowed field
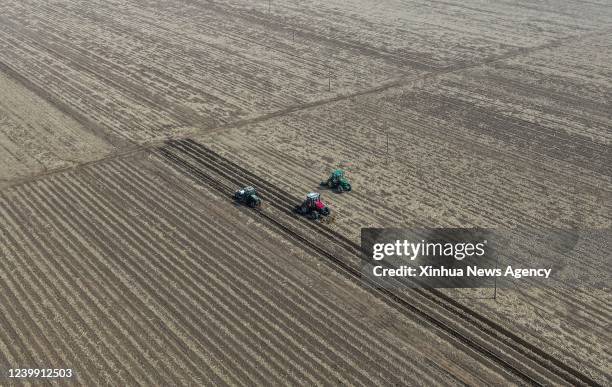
(125, 126)
(127, 273)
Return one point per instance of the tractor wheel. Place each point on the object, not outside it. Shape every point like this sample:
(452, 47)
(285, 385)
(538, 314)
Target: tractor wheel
(314, 215)
(348, 187)
(329, 219)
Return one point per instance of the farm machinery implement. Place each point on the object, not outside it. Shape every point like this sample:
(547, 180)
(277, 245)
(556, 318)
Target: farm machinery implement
(248, 195)
(337, 181)
(485, 337)
(313, 207)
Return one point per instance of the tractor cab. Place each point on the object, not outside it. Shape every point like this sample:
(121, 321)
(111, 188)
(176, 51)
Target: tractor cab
(314, 200)
(337, 175)
(313, 206)
(248, 196)
(313, 196)
(248, 191)
(337, 181)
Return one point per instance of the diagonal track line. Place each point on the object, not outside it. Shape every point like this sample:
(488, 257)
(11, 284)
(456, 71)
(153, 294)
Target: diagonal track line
(130, 148)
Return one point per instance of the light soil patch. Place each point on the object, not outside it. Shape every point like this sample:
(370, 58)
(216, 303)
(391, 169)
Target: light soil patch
(35, 137)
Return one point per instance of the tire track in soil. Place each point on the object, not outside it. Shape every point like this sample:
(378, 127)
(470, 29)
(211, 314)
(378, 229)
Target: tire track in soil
(204, 241)
(353, 274)
(185, 241)
(36, 296)
(579, 304)
(120, 292)
(59, 294)
(228, 278)
(213, 227)
(514, 339)
(117, 268)
(347, 323)
(138, 250)
(59, 246)
(254, 183)
(119, 301)
(47, 355)
(45, 189)
(295, 200)
(484, 187)
(158, 251)
(50, 190)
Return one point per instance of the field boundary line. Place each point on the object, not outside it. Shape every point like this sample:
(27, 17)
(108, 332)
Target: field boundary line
(132, 148)
(398, 82)
(87, 124)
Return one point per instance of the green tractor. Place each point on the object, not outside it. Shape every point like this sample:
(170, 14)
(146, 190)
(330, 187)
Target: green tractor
(337, 181)
(248, 196)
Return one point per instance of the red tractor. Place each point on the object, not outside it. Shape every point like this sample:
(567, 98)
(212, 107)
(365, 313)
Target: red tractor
(313, 207)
